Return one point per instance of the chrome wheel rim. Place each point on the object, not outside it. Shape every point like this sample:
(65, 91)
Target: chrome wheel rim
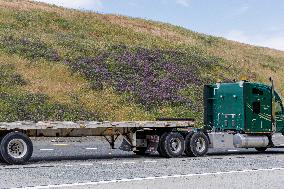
(17, 148)
(200, 144)
(175, 145)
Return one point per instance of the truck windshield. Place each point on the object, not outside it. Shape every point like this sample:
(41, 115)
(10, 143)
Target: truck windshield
(278, 104)
(278, 108)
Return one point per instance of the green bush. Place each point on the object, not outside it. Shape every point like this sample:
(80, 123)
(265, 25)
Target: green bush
(37, 107)
(9, 78)
(31, 49)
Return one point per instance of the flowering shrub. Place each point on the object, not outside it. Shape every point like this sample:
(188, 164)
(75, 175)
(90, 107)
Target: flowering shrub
(29, 49)
(153, 77)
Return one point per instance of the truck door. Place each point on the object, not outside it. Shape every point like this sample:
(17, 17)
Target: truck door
(279, 114)
(258, 108)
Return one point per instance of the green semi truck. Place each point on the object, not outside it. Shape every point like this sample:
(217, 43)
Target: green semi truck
(236, 115)
(247, 115)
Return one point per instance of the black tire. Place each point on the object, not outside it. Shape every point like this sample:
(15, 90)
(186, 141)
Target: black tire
(16, 148)
(159, 149)
(172, 145)
(261, 149)
(1, 158)
(140, 151)
(197, 145)
(188, 152)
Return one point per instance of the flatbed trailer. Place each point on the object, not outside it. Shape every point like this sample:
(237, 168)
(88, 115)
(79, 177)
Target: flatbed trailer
(139, 136)
(236, 115)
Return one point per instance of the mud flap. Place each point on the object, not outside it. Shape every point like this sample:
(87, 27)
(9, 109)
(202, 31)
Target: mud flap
(153, 143)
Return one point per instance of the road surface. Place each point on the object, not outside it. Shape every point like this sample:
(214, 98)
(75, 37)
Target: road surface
(89, 163)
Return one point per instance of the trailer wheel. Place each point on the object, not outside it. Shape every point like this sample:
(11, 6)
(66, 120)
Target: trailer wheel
(159, 149)
(261, 149)
(16, 148)
(171, 145)
(196, 144)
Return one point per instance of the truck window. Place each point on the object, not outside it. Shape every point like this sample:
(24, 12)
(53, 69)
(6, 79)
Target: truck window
(256, 107)
(257, 91)
(278, 108)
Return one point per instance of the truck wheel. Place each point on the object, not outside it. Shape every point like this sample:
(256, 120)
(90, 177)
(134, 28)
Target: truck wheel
(196, 144)
(188, 152)
(16, 148)
(172, 145)
(1, 158)
(159, 149)
(261, 149)
(140, 151)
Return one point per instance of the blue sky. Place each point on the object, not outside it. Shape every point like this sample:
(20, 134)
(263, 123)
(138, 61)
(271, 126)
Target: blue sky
(259, 22)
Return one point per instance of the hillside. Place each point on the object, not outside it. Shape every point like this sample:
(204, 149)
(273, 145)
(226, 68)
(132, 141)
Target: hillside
(63, 64)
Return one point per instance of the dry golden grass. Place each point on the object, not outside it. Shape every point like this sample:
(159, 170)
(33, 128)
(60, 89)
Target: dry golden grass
(52, 79)
(109, 104)
(153, 28)
(138, 25)
(30, 5)
(263, 62)
(237, 55)
(61, 85)
(26, 5)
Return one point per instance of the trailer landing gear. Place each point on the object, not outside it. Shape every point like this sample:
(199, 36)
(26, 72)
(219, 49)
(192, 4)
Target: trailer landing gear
(15, 148)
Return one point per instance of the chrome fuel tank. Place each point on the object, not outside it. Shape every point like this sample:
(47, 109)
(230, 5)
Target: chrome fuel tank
(248, 141)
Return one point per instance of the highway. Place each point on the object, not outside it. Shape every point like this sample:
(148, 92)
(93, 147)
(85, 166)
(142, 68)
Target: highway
(89, 163)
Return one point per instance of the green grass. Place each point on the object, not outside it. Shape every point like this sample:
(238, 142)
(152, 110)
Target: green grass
(18, 105)
(62, 64)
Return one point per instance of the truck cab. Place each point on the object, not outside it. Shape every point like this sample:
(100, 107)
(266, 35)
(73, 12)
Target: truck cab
(244, 108)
